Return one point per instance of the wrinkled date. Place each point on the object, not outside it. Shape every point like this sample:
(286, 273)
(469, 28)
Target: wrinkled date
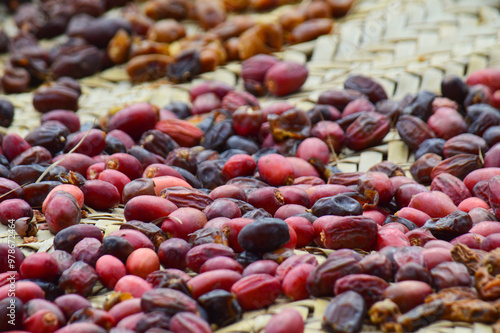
(421, 315)
(366, 131)
(413, 131)
(369, 287)
(168, 301)
(450, 226)
(353, 232)
(187, 197)
(324, 276)
(345, 313)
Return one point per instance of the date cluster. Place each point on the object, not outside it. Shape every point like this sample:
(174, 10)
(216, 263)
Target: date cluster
(151, 39)
(218, 193)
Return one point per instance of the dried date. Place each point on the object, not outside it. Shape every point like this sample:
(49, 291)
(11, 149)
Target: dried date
(345, 313)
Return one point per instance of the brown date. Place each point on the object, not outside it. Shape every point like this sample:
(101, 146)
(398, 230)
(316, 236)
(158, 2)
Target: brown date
(345, 313)
(413, 131)
(148, 67)
(262, 38)
(369, 287)
(421, 169)
(459, 165)
(324, 276)
(366, 131)
(168, 301)
(310, 30)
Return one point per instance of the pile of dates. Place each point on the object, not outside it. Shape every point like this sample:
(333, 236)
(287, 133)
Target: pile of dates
(151, 39)
(217, 194)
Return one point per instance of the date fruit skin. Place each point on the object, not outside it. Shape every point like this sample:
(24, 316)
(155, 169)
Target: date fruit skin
(209, 281)
(69, 237)
(79, 279)
(275, 170)
(186, 322)
(287, 320)
(148, 208)
(352, 232)
(285, 78)
(345, 313)
(39, 266)
(369, 287)
(366, 131)
(198, 255)
(450, 226)
(134, 119)
(321, 280)
(256, 291)
(168, 301)
(110, 269)
(413, 131)
(408, 294)
(367, 86)
(294, 283)
(264, 235)
(62, 211)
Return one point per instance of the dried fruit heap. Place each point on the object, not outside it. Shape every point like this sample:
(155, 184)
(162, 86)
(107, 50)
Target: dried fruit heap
(226, 189)
(151, 38)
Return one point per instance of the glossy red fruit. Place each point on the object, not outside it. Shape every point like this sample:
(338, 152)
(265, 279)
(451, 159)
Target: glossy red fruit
(133, 284)
(239, 165)
(287, 320)
(39, 265)
(61, 212)
(42, 321)
(295, 281)
(25, 290)
(261, 267)
(487, 76)
(221, 263)
(275, 170)
(13, 145)
(125, 163)
(148, 208)
(183, 221)
(110, 269)
(142, 262)
(71, 189)
(314, 148)
(256, 291)
(93, 144)
(10, 189)
(65, 117)
(13, 209)
(100, 195)
(116, 178)
(158, 170)
(70, 303)
(136, 238)
(134, 119)
(125, 308)
(303, 228)
(285, 78)
(247, 121)
(75, 162)
(211, 280)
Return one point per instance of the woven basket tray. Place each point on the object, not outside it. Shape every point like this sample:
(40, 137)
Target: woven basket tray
(406, 45)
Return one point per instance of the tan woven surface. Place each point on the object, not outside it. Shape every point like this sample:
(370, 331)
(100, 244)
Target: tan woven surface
(407, 45)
